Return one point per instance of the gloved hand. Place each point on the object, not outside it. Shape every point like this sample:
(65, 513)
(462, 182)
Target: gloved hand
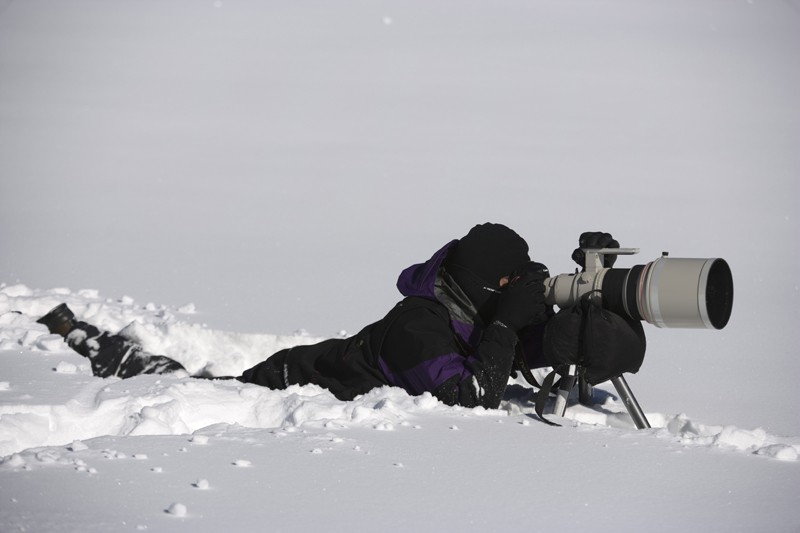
(521, 301)
(595, 240)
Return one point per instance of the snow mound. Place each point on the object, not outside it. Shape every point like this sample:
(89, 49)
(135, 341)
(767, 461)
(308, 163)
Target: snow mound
(755, 441)
(164, 405)
(155, 327)
(90, 407)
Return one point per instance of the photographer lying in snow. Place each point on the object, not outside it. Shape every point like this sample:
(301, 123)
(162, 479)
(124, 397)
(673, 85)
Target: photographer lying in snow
(471, 314)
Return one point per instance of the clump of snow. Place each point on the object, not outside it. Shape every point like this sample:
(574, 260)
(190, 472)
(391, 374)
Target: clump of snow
(177, 509)
(200, 439)
(19, 290)
(77, 446)
(50, 343)
(64, 367)
(14, 461)
(782, 452)
(188, 309)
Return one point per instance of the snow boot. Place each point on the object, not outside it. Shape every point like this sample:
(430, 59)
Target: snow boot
(59, 319)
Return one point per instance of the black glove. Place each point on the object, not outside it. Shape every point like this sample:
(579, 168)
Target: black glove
(595, 240)
(521, 302)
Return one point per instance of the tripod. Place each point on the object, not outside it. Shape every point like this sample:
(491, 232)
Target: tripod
(585, 396)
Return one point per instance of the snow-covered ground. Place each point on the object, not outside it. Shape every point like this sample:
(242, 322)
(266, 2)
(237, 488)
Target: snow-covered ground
(227, 178)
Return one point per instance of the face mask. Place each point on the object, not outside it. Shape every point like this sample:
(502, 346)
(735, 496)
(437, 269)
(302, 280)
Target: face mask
(484, 296)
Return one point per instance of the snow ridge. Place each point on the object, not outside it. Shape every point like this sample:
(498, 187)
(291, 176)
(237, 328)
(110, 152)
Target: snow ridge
(85, 407)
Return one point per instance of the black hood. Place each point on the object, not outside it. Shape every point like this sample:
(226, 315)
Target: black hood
(483, 256)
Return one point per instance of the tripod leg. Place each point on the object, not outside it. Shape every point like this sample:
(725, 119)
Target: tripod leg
(585, 392)
(630, 402)
(567, 382)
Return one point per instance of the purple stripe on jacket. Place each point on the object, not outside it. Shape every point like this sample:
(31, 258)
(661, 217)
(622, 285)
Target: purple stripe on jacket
(419, 279)
(428, 375)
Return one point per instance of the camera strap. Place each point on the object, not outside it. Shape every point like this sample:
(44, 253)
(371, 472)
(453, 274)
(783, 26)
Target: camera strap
(522, 367)
(544, 388)
(544, 393)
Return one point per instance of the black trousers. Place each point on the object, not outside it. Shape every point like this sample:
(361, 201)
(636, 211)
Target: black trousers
(115, 355)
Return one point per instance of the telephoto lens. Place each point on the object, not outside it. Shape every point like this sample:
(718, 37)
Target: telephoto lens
(672, 292)
(668, 292)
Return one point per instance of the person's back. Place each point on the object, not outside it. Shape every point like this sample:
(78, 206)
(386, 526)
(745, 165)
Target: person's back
(455, 334)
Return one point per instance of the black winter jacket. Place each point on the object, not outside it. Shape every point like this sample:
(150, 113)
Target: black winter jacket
(431, 341)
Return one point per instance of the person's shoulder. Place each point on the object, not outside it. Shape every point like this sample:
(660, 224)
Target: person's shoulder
(421, 306)
(417, 312)
(418, 325)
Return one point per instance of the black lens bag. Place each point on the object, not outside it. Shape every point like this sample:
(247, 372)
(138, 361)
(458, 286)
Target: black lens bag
(604, 343)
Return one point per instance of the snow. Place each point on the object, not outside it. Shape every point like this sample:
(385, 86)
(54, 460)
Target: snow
(224, 179)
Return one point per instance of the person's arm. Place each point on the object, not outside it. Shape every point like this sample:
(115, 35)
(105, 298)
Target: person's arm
(490, 366)
(420, 353)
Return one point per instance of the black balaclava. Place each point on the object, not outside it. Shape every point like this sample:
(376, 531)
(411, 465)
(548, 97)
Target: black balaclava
(478, 261)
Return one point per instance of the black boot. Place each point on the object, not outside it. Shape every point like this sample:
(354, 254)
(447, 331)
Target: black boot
(111, 355)
(59, 319)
